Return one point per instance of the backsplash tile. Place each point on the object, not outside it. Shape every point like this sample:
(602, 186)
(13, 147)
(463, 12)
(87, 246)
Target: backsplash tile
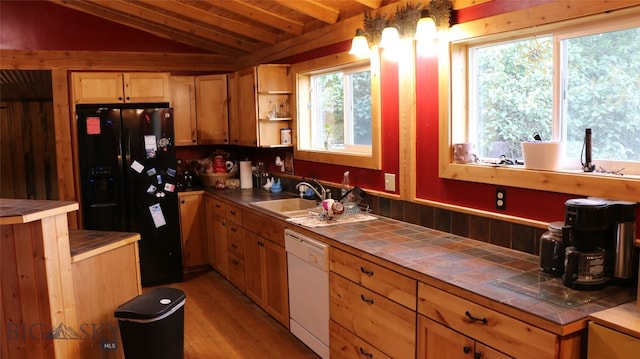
(502, 233)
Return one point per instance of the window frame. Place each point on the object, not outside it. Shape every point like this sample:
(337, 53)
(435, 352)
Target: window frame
(452, 114)
(301, 72)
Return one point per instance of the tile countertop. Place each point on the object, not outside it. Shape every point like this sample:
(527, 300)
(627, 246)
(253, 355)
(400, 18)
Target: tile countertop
(504, 279)
(16, 211)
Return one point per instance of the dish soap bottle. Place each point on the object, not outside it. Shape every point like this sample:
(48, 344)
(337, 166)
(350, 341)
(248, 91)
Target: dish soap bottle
(346, 187)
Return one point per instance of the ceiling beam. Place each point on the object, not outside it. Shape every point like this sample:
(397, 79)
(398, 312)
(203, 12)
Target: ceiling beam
(371, 4)
(159, 19)
(137, 23)
(313, 8)
(213, 19)
(260, 15)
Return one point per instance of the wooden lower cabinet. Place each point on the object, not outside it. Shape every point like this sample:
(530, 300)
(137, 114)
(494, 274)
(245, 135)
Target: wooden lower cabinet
(192, 229)
(501, 332)
(375, 319)
(235, 249)
(266, 275)
(437, 341)
(345, 345)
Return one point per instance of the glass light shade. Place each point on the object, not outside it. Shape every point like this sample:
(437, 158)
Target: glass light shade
(426, 29)
(389, 38)
(359, 46)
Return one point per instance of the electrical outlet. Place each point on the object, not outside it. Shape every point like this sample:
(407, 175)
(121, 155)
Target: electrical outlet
(390, 182)
(501, 198)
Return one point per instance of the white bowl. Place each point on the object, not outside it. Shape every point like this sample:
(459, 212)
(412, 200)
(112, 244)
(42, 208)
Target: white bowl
(542, 155)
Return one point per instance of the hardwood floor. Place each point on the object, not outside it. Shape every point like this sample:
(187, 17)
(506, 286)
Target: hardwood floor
(221, 322)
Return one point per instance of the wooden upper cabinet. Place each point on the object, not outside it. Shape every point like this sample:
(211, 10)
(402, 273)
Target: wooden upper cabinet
(246, 122)
(183, 102)
(146, 87)
(274, 79)
(264, 105)
(115, 87)
(212, 110)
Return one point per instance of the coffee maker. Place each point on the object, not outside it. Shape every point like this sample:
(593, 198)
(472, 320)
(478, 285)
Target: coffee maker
(585, 235)
(598, 236)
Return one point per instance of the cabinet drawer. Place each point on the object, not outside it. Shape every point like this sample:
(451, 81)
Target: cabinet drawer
(497, 330)
(236, 247)
(233, 213)
(373, 317)
(234, 231)
(344, 345)
(219, 208)
(270, 229)
(236, 272)
(381, 280)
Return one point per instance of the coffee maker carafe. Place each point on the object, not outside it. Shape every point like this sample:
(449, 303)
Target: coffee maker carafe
(586, 235)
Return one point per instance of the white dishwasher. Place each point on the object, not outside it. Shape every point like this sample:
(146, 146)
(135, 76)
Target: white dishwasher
(308, 272)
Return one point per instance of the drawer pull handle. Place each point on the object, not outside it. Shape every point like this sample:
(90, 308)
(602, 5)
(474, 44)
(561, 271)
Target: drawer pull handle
(366, 300)
(365, 353)
(366, 271)
(483, 320)
(466, 350)
(233, 213)
(477, 355)
(234, 246)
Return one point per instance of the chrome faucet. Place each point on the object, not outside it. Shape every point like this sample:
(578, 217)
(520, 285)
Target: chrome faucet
(323, 192)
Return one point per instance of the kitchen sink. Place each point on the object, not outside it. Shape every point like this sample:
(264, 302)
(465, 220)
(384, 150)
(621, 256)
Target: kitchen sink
(287, 207)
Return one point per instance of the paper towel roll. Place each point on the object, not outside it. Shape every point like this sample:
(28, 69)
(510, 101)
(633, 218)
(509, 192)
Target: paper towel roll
(246, 180)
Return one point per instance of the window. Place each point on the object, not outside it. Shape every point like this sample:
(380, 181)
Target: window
(513, 94)
(337, 119)
(589, 85)
(340, 110)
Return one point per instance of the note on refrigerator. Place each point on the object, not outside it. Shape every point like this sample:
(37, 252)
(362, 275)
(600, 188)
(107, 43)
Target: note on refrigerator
(150, 146)
(157, 215)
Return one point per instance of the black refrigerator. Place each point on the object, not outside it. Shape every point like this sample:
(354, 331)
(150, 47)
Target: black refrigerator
(127, 166)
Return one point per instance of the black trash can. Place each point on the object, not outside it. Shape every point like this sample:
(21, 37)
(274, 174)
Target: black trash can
(152, 324)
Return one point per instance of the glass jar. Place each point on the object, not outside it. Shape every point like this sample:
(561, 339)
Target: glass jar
(551, 250)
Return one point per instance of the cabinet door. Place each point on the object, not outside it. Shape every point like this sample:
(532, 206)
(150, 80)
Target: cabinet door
(232, 95)
(606, 343)
(220, 241)
(211, 110)
(254, 257)
(209, 211)
(149, 87)
(247, 120)
(274, 78)
(437, 341)
(192, 230)
(97, 87)
(277, 288)
(183, 102)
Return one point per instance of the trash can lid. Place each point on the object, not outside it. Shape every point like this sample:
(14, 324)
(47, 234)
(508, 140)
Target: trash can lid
(152, 304)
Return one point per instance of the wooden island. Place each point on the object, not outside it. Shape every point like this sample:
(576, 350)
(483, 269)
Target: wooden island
(60, 287)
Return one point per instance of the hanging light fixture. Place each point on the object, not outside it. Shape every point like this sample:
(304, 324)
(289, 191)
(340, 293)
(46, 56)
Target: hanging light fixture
(389, 38)
(409, 22)
(360, 44)
(426, 28)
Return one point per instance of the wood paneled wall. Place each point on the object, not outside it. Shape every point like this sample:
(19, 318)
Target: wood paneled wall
(28, 150)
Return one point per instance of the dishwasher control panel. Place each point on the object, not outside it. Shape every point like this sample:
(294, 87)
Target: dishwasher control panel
(307, 249)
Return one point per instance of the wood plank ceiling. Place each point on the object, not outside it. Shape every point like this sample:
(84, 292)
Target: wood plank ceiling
(232, 28)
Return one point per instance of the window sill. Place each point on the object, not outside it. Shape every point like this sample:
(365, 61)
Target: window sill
(570, 182)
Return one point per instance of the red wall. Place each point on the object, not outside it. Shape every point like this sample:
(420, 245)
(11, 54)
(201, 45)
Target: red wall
(42, 25)
(37, 25)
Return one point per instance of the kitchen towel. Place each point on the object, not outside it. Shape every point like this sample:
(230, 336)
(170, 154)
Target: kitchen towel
(246, 180)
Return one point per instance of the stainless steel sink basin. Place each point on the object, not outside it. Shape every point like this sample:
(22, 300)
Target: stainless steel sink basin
(287, 207)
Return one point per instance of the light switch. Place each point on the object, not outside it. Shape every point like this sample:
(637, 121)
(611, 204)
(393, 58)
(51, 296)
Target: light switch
(390, 182)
